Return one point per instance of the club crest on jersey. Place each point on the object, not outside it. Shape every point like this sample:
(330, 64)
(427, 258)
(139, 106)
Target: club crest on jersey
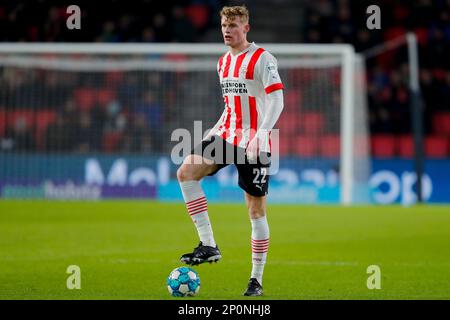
(243, 70)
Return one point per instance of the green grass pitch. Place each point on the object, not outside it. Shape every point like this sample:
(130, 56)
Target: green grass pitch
(126, 249)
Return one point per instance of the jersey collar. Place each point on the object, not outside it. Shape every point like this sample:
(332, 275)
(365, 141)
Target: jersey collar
(250, 47)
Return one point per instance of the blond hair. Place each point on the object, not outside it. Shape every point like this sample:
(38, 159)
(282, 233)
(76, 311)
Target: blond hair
(230, 13)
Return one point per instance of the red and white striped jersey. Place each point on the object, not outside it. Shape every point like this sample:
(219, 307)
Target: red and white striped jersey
(246, 79)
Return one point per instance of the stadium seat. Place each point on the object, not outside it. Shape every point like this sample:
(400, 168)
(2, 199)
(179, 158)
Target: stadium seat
(13, 116)
(312, 122)
(111, 140)
(114, 78)
(2, 122)
(104, 96)
(400, 12)
(304, 146)
(436, 147)
(394, 32)
(198, 14)
(292, 101)
(84, 98)
(43, 119)
(284, 147)
(383, 146)
(329, 146)
(405, 146)
(335, 76)
(441, 123)
(387, 58)
(288, 123)
(422, 35)
(439, 74)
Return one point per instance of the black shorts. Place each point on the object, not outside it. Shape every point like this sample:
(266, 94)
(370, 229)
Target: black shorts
(253, 176)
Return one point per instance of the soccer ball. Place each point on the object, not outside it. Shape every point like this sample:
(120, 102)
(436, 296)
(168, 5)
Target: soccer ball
(183, 282)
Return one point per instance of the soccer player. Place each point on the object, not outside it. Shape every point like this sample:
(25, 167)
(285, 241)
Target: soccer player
(253, 96)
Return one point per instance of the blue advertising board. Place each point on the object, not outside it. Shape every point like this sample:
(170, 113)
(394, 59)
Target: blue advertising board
(308, 181)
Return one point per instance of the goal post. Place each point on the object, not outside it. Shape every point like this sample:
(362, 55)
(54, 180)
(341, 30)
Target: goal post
(316, 77)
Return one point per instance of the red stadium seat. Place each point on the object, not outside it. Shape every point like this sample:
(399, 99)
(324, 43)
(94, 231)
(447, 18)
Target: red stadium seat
(43, 119)
(84, 98)
(111, 140)
(13, 116)
(284, 147)
(405, 146)
(198, 14)
(312, 122)
(422, 35)
(104, 96)
(2, 122)
(383, 146)
(441, 123)
(394, 32)
(288, 123)
(436, 147)
(292, 101)
(329, 146)
(439, 74)
(335, 76)
(304, 146)
(114, 78)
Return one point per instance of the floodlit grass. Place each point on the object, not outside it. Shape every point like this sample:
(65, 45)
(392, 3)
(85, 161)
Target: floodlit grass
(126, 249)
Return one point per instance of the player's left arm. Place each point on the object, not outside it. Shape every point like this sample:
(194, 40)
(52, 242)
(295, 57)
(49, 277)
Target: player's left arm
(273, 87)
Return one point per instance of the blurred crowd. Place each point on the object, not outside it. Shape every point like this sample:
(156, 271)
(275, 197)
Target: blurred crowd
(109, 21)
(325, 21)
(342, 22)
(85, 112)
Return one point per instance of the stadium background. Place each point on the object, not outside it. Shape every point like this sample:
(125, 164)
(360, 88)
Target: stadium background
(58, 130)
(83, 123)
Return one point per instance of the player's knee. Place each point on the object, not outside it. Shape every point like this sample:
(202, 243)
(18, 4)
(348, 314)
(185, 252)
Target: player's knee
(256, 213)
(188, 172)
(183, 173)
(256, 209)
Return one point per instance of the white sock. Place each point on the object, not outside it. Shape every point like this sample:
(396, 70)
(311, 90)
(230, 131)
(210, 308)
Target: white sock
(198, 210)
(260, 246)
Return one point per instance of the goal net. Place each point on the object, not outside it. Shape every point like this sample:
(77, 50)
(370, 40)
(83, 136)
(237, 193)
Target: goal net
(91, 121)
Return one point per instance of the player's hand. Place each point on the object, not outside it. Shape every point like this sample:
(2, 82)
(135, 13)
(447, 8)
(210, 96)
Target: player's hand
(258, 143)
(253, 149)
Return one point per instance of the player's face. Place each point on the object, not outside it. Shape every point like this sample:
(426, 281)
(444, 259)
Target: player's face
(234, 31)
